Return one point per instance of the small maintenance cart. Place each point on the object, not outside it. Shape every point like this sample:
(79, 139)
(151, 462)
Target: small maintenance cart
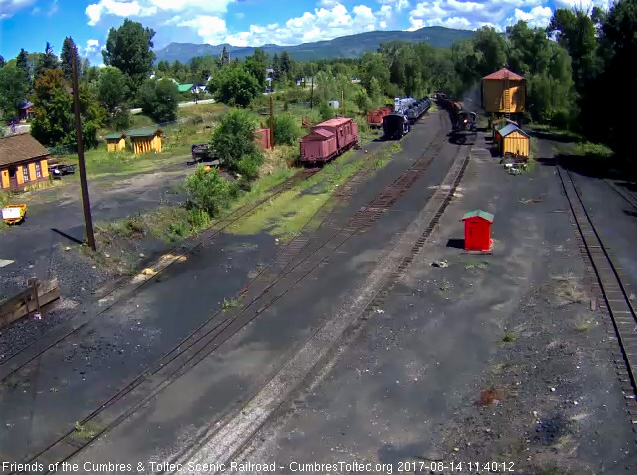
(14, 214)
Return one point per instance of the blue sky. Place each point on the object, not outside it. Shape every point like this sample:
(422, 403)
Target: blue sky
(30, 24)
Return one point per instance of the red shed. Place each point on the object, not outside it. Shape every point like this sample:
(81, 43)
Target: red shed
(262, 137)
(319, 145)
(477, 231)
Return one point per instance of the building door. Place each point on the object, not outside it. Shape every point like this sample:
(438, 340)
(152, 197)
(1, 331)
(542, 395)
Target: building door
(13, 181)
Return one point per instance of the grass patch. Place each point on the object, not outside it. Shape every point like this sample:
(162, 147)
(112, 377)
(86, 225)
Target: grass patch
(229, 304)
(563, 135)
(289, 212)
(591, 150)
(568, 289)
(582, 325)
(509, 337)
(87, 431)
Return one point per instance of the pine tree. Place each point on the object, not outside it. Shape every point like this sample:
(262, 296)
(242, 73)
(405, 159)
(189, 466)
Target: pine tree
(225, 57)
(276, 66)
(286, 66)
(22, 61)
(2, 61)
(68, 50)
(47, 61)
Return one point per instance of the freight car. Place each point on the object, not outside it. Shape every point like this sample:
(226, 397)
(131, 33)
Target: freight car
(375, 117)
(328, 140)
(417, 109)
(395, 126)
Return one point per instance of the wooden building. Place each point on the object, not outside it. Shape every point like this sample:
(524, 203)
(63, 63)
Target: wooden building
(145, 140)
(26, 111)
(115, 142)
(23, 160)
(504, 92)
(514, 141)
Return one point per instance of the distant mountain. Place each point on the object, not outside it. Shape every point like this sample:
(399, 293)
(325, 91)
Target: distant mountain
(352, 46)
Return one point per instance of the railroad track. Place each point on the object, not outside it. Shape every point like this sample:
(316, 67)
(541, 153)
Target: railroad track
(18, 360)
(628, 196)
(615, 294)
(266, 289)
(225, 442)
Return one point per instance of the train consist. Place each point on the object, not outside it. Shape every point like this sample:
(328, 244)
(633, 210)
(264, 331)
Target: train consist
(406, 112)
(328, 140)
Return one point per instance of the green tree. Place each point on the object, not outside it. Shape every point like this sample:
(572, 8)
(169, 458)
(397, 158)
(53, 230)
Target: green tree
(286, 64)
(129, 48)
(363, 101)
(375, 93)
(68, 50)
(256, 65)
(276, 66)
(233, 140)
(234, 86)
(374, 66)
(492, 48)
(53, 109)
(159, 99)
(46, 61)
(2, 61)
(112, 88)
(225, 57)
(13, 90)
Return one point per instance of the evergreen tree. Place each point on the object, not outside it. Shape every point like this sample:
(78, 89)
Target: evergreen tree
(22, 62)
(2, 61)
(225, 57)
(286, 65)
(68, 50)
(276, 66)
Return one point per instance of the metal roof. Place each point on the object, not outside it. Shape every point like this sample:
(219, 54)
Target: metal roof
(143, 132)
(509, 129)
(323, 133)
(19, 148)
(502, 73)
(478, 214)
(184, 87)
(335, 122)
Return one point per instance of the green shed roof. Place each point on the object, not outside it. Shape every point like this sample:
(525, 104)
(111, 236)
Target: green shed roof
(184, 87)
(143, 132)
(478, 214)
(115, 135)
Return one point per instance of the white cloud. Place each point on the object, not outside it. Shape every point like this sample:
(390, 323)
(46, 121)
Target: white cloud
(9, 7)
(211, 28)
(537, 17)
(470, 15)
(142, 8)
(398, 5)
(117, 8)
(92, 46)
(585, 4)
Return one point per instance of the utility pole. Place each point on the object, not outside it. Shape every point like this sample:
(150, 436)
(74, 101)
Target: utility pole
(271, 122)
(90, 237)
(312, 94)
(343, 101)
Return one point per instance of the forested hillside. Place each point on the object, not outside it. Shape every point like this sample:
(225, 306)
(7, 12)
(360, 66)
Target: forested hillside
(352, 46)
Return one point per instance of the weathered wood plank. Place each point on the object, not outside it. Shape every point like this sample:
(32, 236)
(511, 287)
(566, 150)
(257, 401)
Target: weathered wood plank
(24, 302)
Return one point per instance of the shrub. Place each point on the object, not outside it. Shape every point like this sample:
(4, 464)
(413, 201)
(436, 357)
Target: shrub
(233, 138)
(234, 85)
(208, 191)
(248, 166)
(286, 130)
(198, 218)
(363, 101)
(325, 111)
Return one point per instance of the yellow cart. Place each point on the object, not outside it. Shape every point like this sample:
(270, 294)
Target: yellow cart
(14, 214)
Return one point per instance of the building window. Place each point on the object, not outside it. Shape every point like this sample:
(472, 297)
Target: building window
(38, 170)
(25, 173)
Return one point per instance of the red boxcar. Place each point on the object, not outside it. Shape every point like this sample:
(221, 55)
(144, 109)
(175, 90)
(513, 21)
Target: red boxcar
(375, 117)
(328, 139)
(262, 137)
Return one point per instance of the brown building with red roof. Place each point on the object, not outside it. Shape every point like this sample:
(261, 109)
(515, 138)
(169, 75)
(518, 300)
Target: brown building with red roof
(23, 160)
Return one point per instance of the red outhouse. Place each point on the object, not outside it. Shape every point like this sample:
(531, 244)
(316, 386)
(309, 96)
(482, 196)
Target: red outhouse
(477, 231)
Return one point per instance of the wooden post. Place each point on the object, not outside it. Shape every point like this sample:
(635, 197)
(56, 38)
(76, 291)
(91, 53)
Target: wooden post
(271, 122)
(33, 283)
(88, 221)
(343, 101)
(312, 94)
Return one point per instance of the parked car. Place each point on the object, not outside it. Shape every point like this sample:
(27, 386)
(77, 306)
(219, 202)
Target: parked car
(59, 171)
(14, 214)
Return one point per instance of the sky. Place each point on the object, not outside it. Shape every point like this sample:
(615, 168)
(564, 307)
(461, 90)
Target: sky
(29, 24)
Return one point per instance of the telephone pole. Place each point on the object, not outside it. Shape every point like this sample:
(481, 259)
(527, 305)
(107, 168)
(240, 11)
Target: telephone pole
(271, 122)
(90, 237)
(343, 101)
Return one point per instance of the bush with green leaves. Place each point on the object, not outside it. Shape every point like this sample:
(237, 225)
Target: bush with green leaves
(159, 99)
(248, 166)
(325, 111)
(286, 130)
(233, 139)
(209, 191)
